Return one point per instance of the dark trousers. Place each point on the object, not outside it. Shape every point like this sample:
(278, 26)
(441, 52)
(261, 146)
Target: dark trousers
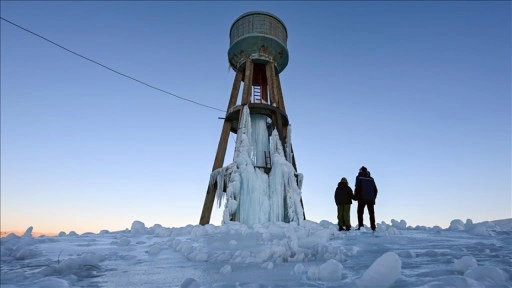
(344, 216)
(360, 212)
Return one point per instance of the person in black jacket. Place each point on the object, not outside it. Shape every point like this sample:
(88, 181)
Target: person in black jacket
(365, 193)
(343, 197)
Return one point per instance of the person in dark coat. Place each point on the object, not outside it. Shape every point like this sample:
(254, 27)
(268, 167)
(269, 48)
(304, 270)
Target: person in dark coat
(365, 193)
(343, 197)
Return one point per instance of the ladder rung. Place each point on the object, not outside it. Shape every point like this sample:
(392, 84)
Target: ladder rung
(268, 160)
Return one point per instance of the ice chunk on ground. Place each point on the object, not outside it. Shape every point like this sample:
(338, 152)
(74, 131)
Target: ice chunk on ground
(469, 224)
(226, 269)
(489, 276)
(267, 265)
(456, 225)
(299, 269)
(484, 229)
(330, 271)
(28, 232)
(138, 228)
(406, 254)
(190, 283)
(402, 225)
(383, 272)
(465, 263)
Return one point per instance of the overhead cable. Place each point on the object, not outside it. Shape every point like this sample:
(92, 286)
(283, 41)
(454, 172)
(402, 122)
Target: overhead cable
(108, 68)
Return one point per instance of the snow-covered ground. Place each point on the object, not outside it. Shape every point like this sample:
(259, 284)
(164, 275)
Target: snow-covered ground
(265, 255)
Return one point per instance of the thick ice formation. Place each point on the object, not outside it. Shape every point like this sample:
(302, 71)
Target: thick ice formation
(253, 196)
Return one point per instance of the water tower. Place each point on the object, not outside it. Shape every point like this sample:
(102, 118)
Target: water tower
(258, 54)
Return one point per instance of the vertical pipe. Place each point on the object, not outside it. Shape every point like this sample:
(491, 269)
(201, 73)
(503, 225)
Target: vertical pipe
(246, 95)
(221, 152)
(264, 92)
(280, 93)
(271, 75)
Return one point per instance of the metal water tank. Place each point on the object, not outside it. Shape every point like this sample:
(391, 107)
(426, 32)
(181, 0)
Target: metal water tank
(261, 36)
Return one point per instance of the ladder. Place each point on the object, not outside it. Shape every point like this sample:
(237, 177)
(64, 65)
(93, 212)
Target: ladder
(268, 161)
(256, 94)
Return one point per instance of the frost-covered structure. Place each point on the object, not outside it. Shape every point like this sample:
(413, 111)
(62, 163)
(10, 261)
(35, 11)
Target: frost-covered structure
(251, 195)
(262, 184)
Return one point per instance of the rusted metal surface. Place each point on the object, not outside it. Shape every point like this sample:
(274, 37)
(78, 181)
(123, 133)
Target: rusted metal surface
(258, 35)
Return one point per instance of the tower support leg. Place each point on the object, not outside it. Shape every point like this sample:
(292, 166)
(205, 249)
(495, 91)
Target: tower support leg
(279, 93)
(221, 153)
(271, 74)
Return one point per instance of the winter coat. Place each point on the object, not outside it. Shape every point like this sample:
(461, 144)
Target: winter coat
(343, 194)
(365, 188)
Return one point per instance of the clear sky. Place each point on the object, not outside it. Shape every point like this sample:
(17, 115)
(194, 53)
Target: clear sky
(418, 92)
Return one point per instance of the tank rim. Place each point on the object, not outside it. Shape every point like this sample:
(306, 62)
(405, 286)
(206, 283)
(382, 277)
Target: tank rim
(256, 12)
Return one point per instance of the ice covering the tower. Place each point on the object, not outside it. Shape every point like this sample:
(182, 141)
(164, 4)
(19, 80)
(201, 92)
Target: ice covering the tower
(288, 149)
(251, 195)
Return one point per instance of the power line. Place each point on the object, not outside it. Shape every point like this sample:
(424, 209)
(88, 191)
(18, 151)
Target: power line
(108, 68)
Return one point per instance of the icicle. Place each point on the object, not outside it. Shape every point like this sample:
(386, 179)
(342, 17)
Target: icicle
(289, 144)
(276, 180)
(300, 178)
(253, 197)
(214, 178)
(260, 139)
(232, 195)
(244, 130)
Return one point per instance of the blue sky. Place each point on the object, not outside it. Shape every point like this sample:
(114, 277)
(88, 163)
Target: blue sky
(419, 92)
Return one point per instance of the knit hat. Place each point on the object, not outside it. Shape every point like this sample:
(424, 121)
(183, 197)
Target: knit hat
(363, 169)
(344, 180)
